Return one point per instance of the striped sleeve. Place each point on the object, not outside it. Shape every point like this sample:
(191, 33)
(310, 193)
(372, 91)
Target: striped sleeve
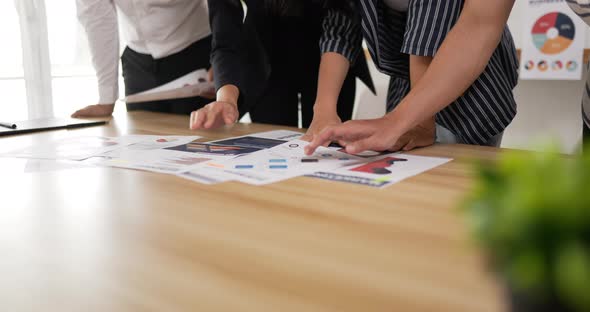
(429, 21)
(341, 33)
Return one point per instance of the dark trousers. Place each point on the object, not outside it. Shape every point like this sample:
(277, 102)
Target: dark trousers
(279, 104)
(142, 72)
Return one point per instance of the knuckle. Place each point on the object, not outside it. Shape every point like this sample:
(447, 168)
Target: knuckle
(379, 145)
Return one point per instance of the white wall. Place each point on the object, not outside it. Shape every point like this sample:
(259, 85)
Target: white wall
(546, 109)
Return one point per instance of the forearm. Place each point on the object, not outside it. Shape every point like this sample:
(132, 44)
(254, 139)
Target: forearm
(418, 67)
(226, 21)
(340, 45)
(333, 70)
(461, 59)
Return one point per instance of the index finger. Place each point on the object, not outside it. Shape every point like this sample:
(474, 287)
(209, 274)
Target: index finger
(324, 137)
(350, 132)
(200, 116)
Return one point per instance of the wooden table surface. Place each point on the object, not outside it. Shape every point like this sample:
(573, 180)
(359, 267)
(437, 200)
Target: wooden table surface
(105, 239)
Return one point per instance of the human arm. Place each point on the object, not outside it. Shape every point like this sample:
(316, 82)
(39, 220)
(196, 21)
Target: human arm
(340, 45)
(99, 19)
(461, 59)
(226, 19)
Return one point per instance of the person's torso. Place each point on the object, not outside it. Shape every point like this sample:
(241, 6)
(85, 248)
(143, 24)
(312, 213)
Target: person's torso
(398, 5)
(290, 42)
(486, 108)
(162, 27)
(387, 36)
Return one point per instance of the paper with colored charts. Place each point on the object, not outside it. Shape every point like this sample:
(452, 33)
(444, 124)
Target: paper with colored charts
(382, 171)
(150, 142)
(553, 42)
(283, 135)
(175, 155)
(262, 140)
(78, 148)
(209, 173)
(279, 163)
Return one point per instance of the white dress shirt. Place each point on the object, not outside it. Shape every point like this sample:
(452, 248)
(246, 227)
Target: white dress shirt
(156, 27)
(398, 5)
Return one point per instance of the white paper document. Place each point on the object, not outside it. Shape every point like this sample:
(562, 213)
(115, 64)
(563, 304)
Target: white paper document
(282, 135)
(179, 154)
(213, 173)
(79, 148)
(162, 154)
(149, 142)
(279, 163)
(208, 173)
(257, 159)
(49, 165)
(381, 171)
(195, 83)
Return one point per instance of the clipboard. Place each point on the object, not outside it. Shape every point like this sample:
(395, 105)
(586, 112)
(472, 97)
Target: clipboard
(46, 124)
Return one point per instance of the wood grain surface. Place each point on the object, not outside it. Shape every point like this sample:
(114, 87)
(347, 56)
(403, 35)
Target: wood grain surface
(104, 239)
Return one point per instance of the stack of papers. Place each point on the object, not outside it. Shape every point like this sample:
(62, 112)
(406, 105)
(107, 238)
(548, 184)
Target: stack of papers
(257, 159)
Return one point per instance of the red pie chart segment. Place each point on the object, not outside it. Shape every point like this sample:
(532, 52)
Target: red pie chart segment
(545, 23)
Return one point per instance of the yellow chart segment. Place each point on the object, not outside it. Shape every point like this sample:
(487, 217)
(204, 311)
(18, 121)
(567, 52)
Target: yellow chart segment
(556, 45)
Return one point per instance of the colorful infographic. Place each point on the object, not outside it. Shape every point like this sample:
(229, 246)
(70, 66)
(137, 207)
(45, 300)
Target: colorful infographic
(553, 42)
(553, 33)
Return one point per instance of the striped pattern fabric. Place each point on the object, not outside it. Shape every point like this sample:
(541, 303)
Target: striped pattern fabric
(486, 108)
(582, 8)
(341, 34)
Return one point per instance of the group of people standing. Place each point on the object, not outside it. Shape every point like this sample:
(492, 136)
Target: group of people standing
(452, 64)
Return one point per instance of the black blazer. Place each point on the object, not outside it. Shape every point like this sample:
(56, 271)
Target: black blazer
(244, 53)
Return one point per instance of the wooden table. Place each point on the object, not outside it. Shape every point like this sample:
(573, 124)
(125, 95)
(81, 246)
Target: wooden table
(104, 239)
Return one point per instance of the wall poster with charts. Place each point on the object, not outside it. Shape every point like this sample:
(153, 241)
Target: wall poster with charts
(553, 44)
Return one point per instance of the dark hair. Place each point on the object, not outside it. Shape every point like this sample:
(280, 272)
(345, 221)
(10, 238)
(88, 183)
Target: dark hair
(295, 7)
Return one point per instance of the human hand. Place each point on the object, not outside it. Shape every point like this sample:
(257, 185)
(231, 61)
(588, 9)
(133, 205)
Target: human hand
(422, 135)
(320, 122)
(214, 115)
(358, 136)
(98, 110)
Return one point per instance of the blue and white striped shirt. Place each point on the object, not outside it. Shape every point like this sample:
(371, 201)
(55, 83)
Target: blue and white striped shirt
(486, 108)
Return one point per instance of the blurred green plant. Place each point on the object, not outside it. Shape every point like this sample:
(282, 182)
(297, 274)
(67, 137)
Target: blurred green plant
(531, 212)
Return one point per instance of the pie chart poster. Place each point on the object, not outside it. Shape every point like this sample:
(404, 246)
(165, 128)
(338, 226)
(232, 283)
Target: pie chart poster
(553, 44)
